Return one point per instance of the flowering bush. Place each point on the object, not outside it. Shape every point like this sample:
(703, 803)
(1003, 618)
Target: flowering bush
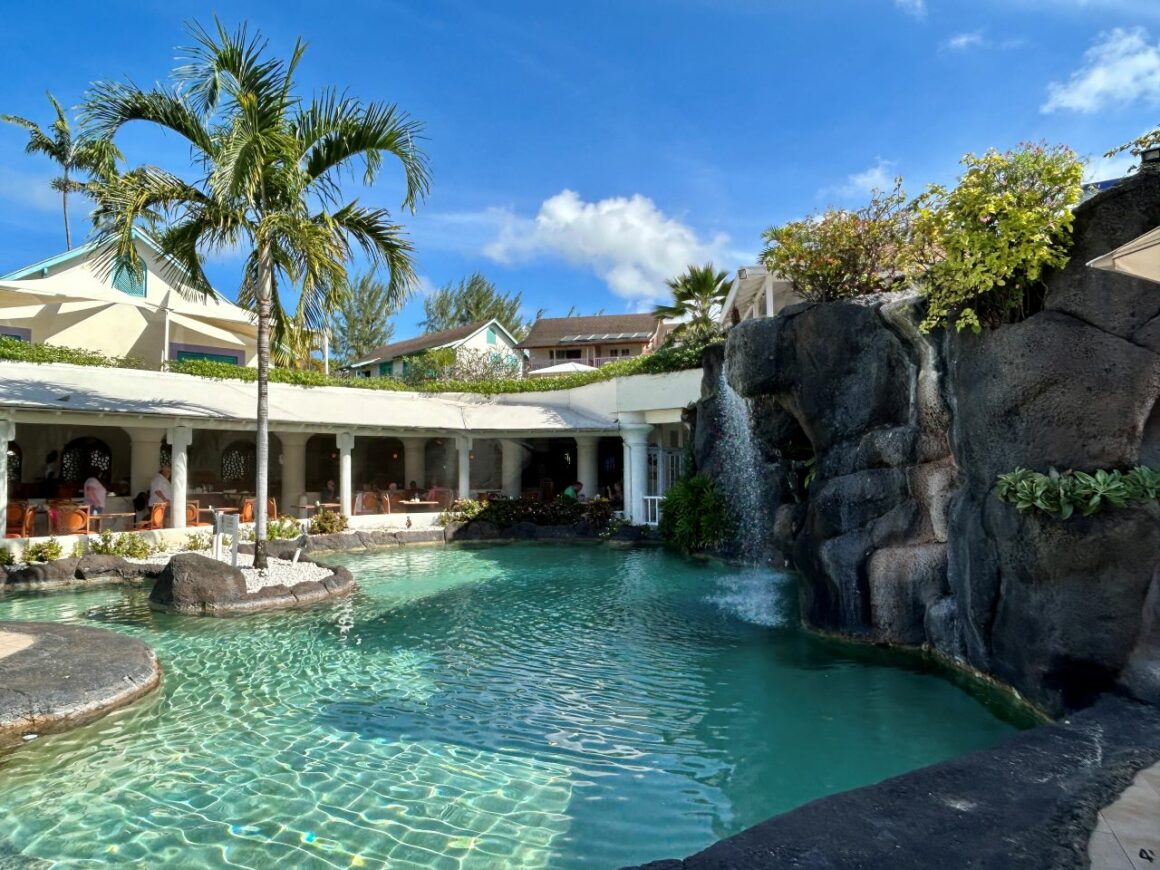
(505, 513)
(981, 248)
(840, 253)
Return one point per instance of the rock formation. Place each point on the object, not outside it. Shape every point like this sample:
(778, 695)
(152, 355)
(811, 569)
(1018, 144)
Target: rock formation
(900, 537)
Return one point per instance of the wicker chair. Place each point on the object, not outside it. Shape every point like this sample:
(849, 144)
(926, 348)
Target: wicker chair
(71, 519)
(193, 515)
(247, 512)
(20, 520)
(156, 519)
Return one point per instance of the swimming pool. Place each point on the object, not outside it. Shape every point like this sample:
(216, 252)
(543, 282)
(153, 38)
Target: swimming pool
(563, 706)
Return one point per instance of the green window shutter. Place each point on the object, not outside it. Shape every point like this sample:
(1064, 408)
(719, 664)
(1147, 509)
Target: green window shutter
(386, 369)
(209, 357)
(491, 337)
(128, 283)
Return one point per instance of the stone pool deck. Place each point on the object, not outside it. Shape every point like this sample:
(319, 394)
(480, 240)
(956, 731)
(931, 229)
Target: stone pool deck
(1127, 834)
(54, 677)
(1030, 802)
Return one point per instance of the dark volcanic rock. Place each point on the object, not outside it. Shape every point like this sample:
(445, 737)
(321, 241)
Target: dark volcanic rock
(476, 530)
(57, 572)
(93, 567)
(193, 583)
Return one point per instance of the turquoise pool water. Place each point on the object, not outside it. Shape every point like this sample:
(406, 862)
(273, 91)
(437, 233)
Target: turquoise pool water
(522, 706)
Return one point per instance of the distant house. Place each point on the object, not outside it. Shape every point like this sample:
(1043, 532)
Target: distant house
(591, 341)
(488, 337)
(74, 300)
(756, 292)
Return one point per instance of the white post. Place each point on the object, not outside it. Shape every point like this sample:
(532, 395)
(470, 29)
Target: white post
(293, 469)
(512, 467)
(636, 445)
(586, 464)
(626, 478)
(7, 433)
(345, 442)
(326, 352)
(769, 295)
(464, 445)
(415, 461)
(144, 458)
(165, 340)
(180, 437)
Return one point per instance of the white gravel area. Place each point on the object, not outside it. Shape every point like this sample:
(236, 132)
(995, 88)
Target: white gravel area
(280, 572)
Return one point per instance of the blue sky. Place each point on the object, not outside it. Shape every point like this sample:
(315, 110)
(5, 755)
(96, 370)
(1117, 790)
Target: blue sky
(583, 152)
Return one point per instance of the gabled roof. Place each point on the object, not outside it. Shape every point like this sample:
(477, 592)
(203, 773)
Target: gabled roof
(602, 328)
(431, 341)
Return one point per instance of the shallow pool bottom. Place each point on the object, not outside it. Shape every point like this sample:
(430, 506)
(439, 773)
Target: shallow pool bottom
(518, 706)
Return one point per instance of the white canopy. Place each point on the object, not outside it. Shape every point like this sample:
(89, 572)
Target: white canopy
(1139, 258)
(568, 368)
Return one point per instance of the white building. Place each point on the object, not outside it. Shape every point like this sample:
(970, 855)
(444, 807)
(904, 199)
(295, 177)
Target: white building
(486, 337)
(756, 292)
(72, 300)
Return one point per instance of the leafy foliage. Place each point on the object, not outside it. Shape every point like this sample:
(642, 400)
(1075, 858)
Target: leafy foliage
(284, 528)
(980, 248)
(326, 522)
(463, 365)
(839, 253)
(126, 544)
(697, 294)
(1061, 494)
(44, 551)
(26, 351)
(74, 155)
(472, 300)
(7, 558)
(695, 516)
(505, 513)
(197, 543)
(361, 321)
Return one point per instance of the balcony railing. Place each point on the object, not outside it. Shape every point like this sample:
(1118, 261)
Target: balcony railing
(596, 362)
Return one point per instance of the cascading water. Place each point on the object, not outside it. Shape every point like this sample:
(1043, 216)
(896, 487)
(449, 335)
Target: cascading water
(742, 475)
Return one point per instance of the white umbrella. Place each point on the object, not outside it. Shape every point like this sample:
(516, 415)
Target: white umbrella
(1139, 258)
(568, 368)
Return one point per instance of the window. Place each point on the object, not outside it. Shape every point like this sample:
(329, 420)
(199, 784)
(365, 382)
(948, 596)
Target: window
(238, 462)
(15, 462)
(128, 283)
(83, 458)
(491, 337)
(206, 355)
(573, 353)
(386, 369)
(17, 332)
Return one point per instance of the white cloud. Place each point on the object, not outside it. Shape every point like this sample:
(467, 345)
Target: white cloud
(917, 8)
(963, 41)
(630, 243)
(879, 177)
(1122, 67)
(1107, 168)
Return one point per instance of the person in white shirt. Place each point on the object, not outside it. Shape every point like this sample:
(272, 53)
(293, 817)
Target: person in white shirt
(159, 489)
(95, 493)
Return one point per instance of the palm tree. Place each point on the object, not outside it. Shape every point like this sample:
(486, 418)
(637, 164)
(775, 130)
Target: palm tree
(268, 167)
(74, 155)
(695, 294)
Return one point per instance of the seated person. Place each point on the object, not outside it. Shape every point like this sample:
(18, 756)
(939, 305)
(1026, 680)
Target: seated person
(366, 501)
(329, 494)
(413, 490)
(572, 490)
(433, 492)
(95, 494)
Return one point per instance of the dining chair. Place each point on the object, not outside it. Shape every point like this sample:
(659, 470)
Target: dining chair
(193, 515)
(14, 519)
(71, 519)
(155, 520)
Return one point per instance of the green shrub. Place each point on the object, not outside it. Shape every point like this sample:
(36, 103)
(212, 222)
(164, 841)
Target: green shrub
(126, 544)
(328, 523)
(695, 516)
(197, 543)
(1061, 494)
(44, 551)
(7, 558)
(26, 351)
(283, 528)
(981, 248)
(842, 253)
(505, 513)
(462, 510)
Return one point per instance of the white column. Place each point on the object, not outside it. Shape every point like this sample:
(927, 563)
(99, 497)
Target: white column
(636, 446)
(180, 437)
(464, 447)
(144, 458)
(7, 433)
(512, 467)
(293, 470)
(165, 339)
(326, 351)
(345, 441)
(586, 464)
(415, 461)
(626, 478)
(769, 295)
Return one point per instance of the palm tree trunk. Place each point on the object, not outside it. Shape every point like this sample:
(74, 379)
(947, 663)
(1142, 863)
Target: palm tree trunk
(262, 482)
(64, 205)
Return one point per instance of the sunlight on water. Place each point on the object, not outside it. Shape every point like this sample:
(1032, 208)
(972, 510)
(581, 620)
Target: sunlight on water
(522, 706)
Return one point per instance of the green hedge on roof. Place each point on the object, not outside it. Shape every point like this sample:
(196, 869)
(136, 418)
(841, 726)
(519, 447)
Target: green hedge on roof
(669, 359)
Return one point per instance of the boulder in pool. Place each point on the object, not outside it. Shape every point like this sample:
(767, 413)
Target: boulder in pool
(193, 583)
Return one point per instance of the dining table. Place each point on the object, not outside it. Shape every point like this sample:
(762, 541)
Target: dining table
(97, 521)
(416, 506)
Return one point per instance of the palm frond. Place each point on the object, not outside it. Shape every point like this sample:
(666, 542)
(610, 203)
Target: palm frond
(111, 105)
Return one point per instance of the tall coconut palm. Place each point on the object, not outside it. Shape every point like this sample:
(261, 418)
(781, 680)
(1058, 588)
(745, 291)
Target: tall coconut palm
(268, 168)
(75, 155)
(695, 294)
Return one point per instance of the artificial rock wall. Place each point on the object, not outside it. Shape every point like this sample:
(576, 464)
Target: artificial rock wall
(900, 538)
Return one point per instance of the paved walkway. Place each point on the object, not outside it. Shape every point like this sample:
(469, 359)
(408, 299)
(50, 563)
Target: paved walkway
(11, 643)
(1127, 835)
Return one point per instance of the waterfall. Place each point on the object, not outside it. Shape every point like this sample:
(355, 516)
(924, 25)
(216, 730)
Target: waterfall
(742, 473)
